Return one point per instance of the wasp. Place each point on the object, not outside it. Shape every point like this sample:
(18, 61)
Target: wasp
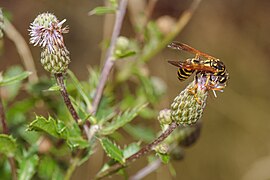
(210, 67)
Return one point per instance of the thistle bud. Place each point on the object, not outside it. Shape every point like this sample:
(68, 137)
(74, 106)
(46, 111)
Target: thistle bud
(187, 107)
(1, 23)
(55, 62)
(164, 116)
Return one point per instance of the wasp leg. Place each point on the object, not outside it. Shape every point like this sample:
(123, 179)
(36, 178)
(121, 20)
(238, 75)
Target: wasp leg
(193, 91)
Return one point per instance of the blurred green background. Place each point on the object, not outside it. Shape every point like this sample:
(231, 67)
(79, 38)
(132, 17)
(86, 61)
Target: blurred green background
(234, 143)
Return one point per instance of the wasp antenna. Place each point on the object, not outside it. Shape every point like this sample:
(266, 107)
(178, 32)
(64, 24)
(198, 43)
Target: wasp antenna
(175, 63)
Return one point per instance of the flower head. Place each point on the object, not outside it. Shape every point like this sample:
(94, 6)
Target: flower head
(187, 108)
(47, 32)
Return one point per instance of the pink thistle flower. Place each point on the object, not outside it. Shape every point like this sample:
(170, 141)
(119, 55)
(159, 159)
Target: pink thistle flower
(47, 32)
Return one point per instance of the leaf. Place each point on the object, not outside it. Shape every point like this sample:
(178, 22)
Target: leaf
(80, 89)
(140, 133)
(51, 126)
(131, 149)
(102, 10)
(121, 120)
(14, 79)
(49, 169)
(123, 54)
(13, 89)
(165, 158)
(55, 87)
(112, 150)
(58, 129)
(27, 167)
(8, 145)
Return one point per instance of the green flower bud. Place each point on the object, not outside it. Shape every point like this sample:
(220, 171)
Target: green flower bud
(55, 62)
(164, 116)
(187, 107)
(162, 148)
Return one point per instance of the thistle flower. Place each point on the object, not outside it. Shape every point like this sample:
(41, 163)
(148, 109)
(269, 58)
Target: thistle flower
(46, 31)
(187, 107)
(1, 23)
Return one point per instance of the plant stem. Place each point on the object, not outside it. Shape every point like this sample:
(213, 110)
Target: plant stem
(146, 170)
(109, 58)
(60, 81)
(181, 23)
(3, 118)
(11, 160)
(146, 149)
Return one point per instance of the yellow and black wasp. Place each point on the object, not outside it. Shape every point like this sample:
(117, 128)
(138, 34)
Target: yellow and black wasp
(210, 67)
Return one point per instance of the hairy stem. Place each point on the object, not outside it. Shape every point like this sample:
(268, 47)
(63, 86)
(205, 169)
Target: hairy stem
(60, 81)
(109, 57)
(143, 151)
(11, 160)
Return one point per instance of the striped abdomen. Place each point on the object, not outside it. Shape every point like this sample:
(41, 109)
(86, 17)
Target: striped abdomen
(184, 73)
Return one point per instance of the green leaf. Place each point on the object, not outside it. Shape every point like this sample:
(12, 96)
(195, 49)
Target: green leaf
(121, 120)
(8, 145)
(49, 169)
(140, 133)
(112, 150)
(4, 81)
(123, 54)
(55, 87)
(13, 89)
(51, 126)
(80, 89)
(131, 149)
(58, 129)
(27, 167)
(165, 158)
(102, 10)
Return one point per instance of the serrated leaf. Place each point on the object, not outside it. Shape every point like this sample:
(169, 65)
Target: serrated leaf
(58, 129)
(102, 10)
(131, 149)
(14, 79)
(50, 126)
(140, 133)
(27, 167)
(8, 145)
(121, 120)
(112, 150)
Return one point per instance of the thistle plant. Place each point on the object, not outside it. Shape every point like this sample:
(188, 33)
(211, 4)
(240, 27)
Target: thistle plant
(96, 109)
